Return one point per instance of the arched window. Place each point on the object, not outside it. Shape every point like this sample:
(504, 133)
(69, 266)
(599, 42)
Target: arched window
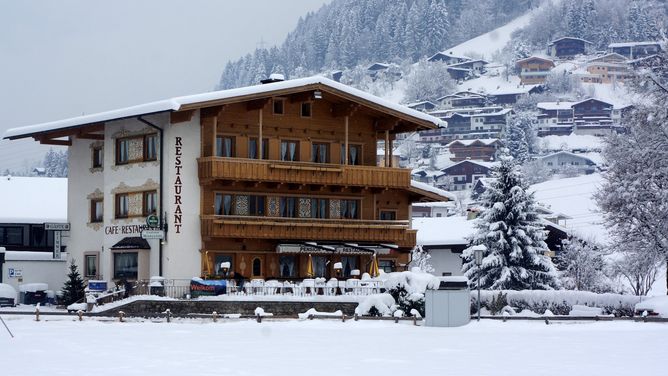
(257, 267)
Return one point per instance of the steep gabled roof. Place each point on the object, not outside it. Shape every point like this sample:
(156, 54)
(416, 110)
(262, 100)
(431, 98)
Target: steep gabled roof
(237, 95)
(562, 38)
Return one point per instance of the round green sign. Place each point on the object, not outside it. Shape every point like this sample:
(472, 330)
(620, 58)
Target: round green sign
(152, 221)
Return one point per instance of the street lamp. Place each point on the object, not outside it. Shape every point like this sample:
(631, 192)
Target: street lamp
(478, 252)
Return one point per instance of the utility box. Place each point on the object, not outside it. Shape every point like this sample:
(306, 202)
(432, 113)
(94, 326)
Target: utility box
(450, 304)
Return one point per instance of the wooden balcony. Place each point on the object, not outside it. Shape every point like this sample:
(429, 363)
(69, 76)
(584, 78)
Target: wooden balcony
(343, 230)
(211, 168)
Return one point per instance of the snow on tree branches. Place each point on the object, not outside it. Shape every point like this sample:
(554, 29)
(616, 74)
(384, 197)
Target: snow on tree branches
(510, 229)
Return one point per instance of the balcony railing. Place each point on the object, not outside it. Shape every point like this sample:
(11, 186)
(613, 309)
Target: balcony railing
(302, 173)
(345, 230)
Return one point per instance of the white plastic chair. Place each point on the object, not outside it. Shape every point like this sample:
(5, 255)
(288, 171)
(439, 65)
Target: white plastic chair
(309, 283)
(331, 286)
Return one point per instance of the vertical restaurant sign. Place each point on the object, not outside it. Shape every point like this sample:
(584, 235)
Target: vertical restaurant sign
(178, 185)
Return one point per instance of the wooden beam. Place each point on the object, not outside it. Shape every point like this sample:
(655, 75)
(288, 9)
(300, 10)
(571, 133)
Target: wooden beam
(385, 124)
(257, 104)
(47, 141)
(304, 96)
(344, 109)
(211, 111)
(181, 116)
(91, 136)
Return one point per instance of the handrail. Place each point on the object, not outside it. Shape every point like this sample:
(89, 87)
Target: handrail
(293, 221)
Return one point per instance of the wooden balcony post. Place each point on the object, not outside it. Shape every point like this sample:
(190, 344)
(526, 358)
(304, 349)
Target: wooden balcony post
(387, 141)
(345, 150)
(259, 139)
(391, 142)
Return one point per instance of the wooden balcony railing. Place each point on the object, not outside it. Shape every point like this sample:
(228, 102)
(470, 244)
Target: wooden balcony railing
(344, 230)
(302, 173)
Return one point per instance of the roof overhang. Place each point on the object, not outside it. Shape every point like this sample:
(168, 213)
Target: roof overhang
(411, 119)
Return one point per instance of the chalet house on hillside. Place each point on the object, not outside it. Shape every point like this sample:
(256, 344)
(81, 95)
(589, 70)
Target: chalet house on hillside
(567, 47)
(459, 74)
(559, 161)
(423, 106)
(279, 180)
(635, 50)
(555, 118)
(507, 97)
(476, 67)
(478, 149)
(610, 68)
(448, 58)
(375, 69)
(534, 70)
(433, 209)
(463, 99)
(462, 175)
(472, 123)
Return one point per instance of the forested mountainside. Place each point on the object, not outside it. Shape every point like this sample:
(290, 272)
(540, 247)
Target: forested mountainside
(346, 33)
(598, 21)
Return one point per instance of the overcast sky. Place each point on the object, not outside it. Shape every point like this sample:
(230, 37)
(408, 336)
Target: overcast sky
(60, 59)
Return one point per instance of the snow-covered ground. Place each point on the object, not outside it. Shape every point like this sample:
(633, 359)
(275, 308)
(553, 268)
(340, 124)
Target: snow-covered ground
(63, 346)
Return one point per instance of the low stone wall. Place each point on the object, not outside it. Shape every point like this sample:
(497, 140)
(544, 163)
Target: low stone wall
(185, 307)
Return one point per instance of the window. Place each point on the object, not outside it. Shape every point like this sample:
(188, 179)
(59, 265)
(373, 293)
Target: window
(278, 106)
(349, 263)
(288, 207)
(388, 215)
(306, 109)
(150, 147)
(349, 209)
(257, 267)
(354, 154)
(122, 205)
(96, 210)
(224, 146)
(221, 258)
(289, 151)
(319, 266)
(122, 150)
(320, 153)
(253, 150)
(11, 235)
(319, 208)
(98, 156)
(386, 265)
(37, 236)
(150, 202)
(90, 266)
(125, 265)
(287, 266)
(256, 206)
(222, 204)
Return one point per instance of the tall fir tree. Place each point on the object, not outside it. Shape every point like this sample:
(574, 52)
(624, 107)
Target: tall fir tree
(516, 142)
(73, 289)
(513, 235)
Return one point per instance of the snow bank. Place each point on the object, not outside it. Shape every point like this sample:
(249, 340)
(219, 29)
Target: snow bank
(259, 311)
(314, 312)
(383, 303)
(414, 281)
(657, 305)
(8, 292)
(131, 299)
(33, 287)
(584, 311)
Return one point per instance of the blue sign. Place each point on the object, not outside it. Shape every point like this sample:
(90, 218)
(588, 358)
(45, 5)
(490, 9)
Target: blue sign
(97, 285)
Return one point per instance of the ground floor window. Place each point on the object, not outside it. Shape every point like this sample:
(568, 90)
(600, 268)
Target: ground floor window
(288, 266)
(386, 265)
(319, 266)
(126, 265)
(90, 266)
(349, 263)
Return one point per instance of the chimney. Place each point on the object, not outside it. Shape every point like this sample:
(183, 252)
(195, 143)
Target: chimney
(274, 77)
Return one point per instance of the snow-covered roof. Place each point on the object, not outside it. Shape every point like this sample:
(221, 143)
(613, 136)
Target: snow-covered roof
(485, 141)
(32, 256)
(437, 204)
(443, 230)
(633, 44)
(563, 105)
(33, 199)
(469, 62)
(571, 142)
(572, 38)
(449, 54)
(534, 58)
(512, 90)
(591, 99)
(479, 163)
(563, 152)
(431, 189)
(177, 103)
(612, 54)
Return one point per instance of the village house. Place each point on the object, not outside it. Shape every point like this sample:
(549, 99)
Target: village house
(564, 160)
(508, 96)
(485, 149)
(423, 106)
(534, 70)
(476, 67)
(472, 123)
(448, 58)
(463, 175)
(463, 99)
(635, 50)
(433, 209)
(610, 68)
(278, 180)
(444, 247)
(567, 47)
(555, 118)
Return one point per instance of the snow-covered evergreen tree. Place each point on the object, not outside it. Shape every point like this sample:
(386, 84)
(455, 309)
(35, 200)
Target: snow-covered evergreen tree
(511, 231)
(73, 289)
(520, 136)
(634, 197)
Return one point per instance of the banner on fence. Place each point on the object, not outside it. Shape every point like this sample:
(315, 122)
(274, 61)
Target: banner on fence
(203, 287)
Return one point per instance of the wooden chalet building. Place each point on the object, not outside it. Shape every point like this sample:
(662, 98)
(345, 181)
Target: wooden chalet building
(534, 70)
(463, 175)
(260, 177)
(610, 68)
(635, 50)
(477, 149)
(567, 47)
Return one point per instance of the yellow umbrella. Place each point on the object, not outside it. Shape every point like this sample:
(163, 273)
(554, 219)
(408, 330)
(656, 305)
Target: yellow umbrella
(309, 267)
(373, 269)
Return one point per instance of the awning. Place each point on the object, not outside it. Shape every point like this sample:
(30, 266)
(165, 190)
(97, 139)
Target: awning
(335, 249)
(134, 242)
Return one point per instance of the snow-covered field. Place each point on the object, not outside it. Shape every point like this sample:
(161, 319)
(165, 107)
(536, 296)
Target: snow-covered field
(61, 346)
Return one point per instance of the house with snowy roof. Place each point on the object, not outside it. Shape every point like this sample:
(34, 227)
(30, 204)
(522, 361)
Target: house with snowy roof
(448, 58)
(433, 209)
(278, 181)
(423, 106)
(635, 50)
(555, 118)
(475, 66)
(567, 47)
(34, 252)
(563, 161)
(534, 69)
(508, 96)
(483, 149)
(444, 247)
(462, 175)
(463, 99)
(610, 68)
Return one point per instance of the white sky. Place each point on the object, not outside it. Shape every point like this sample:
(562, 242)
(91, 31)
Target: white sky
(60, 59)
